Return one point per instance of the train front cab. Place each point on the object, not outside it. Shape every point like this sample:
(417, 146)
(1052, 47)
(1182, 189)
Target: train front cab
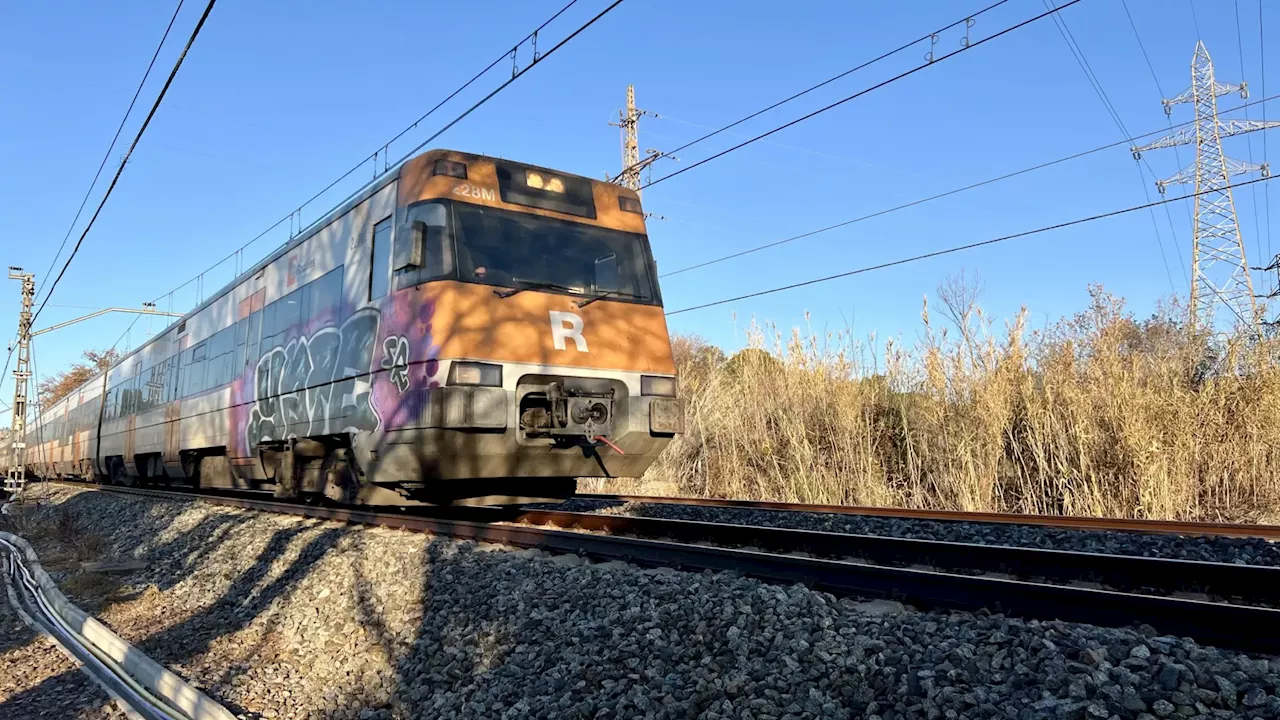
(535, 348)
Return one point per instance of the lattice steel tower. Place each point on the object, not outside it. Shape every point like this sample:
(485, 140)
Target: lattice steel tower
(17, 477)
(629, 121)
(1221, 288)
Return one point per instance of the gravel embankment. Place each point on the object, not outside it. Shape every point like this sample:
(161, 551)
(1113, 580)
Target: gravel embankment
(281, 617)
(38, 681)
(1249, 551)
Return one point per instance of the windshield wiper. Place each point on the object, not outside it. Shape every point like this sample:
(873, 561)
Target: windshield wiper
(601, 296)
(530, 285)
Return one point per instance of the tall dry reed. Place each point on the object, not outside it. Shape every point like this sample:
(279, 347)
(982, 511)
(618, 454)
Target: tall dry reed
(1099, 414)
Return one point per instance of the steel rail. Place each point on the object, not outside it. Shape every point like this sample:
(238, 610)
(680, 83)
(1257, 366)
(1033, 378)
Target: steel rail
(1068, 522)
(1249, 583)
(1239, 627)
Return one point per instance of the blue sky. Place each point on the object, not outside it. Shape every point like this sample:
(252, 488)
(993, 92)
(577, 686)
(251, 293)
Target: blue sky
(277, 99)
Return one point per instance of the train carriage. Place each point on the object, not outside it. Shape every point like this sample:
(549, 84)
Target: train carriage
(466, 329)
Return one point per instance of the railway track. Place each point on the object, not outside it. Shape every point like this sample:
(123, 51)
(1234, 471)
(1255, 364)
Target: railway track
(926, 574)
(1066, 522)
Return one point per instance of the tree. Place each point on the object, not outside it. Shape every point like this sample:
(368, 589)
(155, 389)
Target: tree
(54, 388)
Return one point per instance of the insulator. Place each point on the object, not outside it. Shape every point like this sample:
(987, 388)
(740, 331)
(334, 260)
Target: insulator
(1244, 90)
(1137, 155)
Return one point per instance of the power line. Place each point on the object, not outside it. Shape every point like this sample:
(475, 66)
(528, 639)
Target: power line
(1078, 53)
(1262, 50)
(944, 194)
(1253, 191)
(860, 93)
(1155, 226)
(1096, 83)
(955, 249)
(1143, 48)
(114, 138)
(125, 160)
(928, 36)
(382, 149)
(1173, 233)
(538, 58)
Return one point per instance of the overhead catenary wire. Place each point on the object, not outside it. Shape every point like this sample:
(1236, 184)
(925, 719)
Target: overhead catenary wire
(929, 63)
(120, 128)
(939, 196)
(538, 58)
(125, 160)
(504, 55)
(956, 249)
(824, 83)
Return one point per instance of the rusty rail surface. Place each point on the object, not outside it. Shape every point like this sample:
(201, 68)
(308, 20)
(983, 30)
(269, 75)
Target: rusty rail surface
(1225, 624)
(1070, 522)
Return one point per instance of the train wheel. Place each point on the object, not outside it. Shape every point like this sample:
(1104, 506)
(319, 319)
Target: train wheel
(119, 476)
(340, 482)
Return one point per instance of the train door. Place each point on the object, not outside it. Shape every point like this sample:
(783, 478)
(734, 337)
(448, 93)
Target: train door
(173, 406)
(244, 460)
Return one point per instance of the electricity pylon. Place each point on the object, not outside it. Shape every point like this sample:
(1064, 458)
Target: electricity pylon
(629, 121)
(17, 476)
(1221, 287)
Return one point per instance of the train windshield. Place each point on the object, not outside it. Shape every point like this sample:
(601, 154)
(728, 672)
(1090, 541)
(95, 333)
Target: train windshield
(519, 250)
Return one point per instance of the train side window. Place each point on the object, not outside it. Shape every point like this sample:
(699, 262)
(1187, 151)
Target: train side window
(253, 332)
(135, 394)
(326, 297)
(239, 330)
(193, 371)
(304, 306)
(288, 316)
(380, 273)
(221, 347)
(437, 246)
(171, 379)
(143, 390)
(184, 368)
(148, 388)
(157, 382)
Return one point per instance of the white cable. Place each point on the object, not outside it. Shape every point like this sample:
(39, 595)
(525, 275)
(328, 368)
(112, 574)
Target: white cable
(106, 663)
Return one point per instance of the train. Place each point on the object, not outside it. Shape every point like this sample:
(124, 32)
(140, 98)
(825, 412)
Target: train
(464, 330)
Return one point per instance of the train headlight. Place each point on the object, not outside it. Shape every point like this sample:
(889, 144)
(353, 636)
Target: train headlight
(657, 386)
(538, 181)
(449, 168)
(475, 373)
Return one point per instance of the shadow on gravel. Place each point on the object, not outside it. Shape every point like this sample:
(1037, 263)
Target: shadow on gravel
(462, 638)
(244, 599)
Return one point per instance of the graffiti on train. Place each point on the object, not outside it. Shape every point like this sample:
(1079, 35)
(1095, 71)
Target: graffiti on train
(317, 385)
(395, 360)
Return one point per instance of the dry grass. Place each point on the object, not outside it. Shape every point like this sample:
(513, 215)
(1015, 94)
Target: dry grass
(1097, 415)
